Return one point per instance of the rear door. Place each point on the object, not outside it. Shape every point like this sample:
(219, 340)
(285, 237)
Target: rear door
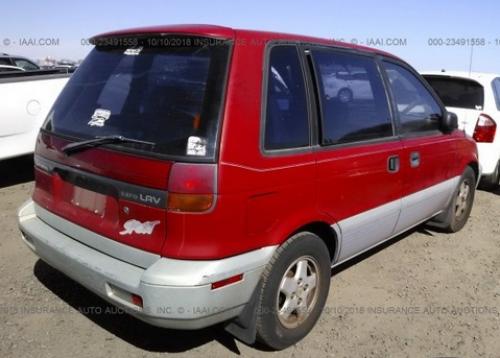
(359, 181)
(428, 155)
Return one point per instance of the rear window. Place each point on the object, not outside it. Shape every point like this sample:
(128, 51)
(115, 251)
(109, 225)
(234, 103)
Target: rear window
(166, 92)
(457, 92)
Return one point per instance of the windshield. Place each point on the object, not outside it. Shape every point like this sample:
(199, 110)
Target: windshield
(170, 96)
(457, 92)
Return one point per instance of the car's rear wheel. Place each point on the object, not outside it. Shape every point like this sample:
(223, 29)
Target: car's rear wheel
(458, 211)
(295, 286)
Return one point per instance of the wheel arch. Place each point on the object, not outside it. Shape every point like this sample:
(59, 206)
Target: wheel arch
(244, 326)
(325, 232)
(475, 167)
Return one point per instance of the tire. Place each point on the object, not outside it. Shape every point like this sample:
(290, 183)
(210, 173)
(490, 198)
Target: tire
(282, 316)
(491, 182)
(345, 95)
(458, 211)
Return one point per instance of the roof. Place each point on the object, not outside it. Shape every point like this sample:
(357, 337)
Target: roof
(477, 76)
(6, 55)
(222, 32)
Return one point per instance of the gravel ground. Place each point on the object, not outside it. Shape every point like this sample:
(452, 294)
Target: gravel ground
(425, 294)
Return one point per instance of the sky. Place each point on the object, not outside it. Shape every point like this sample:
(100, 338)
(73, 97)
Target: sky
(430, 35)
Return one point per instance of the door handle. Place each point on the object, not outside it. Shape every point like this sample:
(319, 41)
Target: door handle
(414, 159)
(393, 164)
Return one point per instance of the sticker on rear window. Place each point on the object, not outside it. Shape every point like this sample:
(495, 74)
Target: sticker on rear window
(196, 146)
(99, 117)
(133, 51)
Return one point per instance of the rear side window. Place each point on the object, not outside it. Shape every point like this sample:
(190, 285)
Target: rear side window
(287, 121)
(458, 92)
(170, 96)
(353, 99)
(418, 110)
(496, 90)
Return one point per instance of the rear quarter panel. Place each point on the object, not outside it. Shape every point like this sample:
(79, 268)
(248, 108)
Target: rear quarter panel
(466, 153)
(261, 199)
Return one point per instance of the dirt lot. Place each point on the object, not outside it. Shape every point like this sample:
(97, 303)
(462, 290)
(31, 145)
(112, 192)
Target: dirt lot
(425, 294)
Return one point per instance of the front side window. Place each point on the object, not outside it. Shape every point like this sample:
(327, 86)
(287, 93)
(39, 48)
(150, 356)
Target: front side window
(353, 99)
(418, 110)
(287, 121)
(496, 90)
(170, 96)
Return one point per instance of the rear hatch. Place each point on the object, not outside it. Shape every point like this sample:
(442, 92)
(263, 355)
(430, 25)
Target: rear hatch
(462, 96)
(159, 105)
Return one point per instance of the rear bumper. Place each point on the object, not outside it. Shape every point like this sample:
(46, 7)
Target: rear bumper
(175, 293)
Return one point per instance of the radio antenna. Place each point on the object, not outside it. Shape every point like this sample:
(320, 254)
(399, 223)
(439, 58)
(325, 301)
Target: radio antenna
(471, 57)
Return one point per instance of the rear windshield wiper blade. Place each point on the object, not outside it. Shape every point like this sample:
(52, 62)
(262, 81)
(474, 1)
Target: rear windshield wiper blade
(86, 144)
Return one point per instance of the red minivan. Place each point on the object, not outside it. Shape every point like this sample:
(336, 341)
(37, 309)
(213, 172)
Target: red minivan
(201, 174)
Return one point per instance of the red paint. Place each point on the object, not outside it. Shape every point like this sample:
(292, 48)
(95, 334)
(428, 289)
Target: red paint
(259, 200)
(58, 196)
(354, 180)
(116, 165)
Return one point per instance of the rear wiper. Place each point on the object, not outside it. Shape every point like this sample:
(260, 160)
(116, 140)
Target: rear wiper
(86, 144)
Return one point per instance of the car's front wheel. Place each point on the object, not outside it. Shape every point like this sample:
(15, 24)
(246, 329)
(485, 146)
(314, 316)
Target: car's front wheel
(458, 211)
(295, 286)
(345, 95)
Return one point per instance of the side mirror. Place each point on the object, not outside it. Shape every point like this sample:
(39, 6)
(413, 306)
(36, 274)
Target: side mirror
(449, 122)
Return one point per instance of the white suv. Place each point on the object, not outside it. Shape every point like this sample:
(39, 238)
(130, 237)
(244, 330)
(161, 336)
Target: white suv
(475, 98)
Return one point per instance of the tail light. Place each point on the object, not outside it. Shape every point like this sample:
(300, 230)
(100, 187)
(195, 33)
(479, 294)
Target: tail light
(192, 187)
(124, 296)
(485, 129)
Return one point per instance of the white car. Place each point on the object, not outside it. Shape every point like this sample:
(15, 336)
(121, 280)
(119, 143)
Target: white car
(25, 101)
(475, 98)
(343, 86)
